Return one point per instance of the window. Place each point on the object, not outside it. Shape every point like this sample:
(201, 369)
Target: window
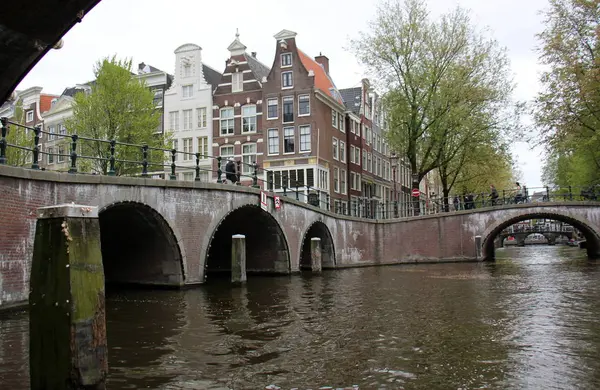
(226, 152)
(201, 112)
(187, 91)
(51, 135)
(62, 130)
(176, 147)
(286, 60)
(187, 119)
(342, 151)
(273, 135)
(188, 176)
(227, 122)
(303, 105)
(334, 118)
(237, 82)
(305, 138)
(352, 154)
(187, 70)
(357, 156)
(248, 158)
(174, 120)
(288, 109)
(323, 180)
(30, 116)
(353, 127)
(249, 119)
(336, 179)
(364, 164)
(369, 163)
(286, 80)
(203, 147)
(343, 182)
(272, 109)
(50, 155)
(158, 98)
(336, 155)
(188, 148)
(61, 154)
(342, 123)
(289, 140)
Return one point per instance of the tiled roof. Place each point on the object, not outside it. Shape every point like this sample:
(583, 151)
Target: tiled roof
(322, 79)
(352, 98)
(259, 69)
(46, 102)
(211, 76)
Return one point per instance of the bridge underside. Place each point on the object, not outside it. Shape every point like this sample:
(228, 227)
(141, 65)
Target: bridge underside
(267, 251)
(318, 230)
(138, 247)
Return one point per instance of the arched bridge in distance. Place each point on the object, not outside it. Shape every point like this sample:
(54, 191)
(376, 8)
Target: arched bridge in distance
(163, 232)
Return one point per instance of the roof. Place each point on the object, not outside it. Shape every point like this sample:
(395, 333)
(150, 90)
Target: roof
(322, 79)
(211, 76)
(46, 102)
(259, 69)
(352, 98)
(28, 32)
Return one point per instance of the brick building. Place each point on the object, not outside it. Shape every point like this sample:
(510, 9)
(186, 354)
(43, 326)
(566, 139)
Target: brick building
(306, 136)
(237, 130)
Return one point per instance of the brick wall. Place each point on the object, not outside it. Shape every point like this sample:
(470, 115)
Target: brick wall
(190, 213)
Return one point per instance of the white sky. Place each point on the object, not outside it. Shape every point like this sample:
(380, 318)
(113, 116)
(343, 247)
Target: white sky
(150, 30)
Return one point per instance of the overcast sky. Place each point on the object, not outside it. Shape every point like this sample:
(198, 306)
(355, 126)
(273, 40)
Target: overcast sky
(150, 30)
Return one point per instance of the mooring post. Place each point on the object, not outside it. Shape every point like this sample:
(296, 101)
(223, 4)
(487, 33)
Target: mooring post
(478, 247)
(67, 325)
(238, 258)
(315, 254)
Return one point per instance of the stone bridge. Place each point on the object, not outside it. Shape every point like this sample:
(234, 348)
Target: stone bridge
(177, 233)
(550, 235)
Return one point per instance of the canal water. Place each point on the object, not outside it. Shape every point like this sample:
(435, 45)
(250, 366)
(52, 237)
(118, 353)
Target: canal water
(531, 320)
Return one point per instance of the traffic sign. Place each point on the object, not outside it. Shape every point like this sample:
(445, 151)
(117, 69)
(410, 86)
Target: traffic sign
(277, 201)
(263, 201)
(416, 192)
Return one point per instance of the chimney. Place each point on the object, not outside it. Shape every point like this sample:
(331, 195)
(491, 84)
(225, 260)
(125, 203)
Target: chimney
(323, 60)
(254, 54)
(141, 67)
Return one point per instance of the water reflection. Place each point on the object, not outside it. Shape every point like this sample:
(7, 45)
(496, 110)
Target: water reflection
(529, 320)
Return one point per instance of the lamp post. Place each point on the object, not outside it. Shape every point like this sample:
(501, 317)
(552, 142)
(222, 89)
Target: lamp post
(394, 163)
(415, 186)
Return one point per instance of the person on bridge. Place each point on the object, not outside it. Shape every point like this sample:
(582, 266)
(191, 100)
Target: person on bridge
(493, 195)
(518, 193)
(230, 171)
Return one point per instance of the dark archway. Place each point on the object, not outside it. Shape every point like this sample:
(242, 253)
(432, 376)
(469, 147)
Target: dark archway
(318, 230)
(267, 250)
(592, 237)
(138, 246)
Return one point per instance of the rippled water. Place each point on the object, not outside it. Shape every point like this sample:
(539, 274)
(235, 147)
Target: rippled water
(529, 320)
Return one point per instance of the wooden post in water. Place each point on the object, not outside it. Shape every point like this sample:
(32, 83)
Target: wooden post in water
(478, 249)
(315, 254)
(67, 325)
(238, 258)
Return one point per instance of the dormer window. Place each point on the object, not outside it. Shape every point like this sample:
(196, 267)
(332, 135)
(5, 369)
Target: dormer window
(237, 83)
(286, 60)
(30, 116)
(286, 80)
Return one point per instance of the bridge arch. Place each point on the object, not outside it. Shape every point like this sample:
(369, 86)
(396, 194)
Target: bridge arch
(139, 246)
(590, 233)
(317, 230)
(267, 248)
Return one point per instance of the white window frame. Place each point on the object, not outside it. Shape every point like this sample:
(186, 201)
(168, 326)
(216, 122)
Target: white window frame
(308, 99)
(190, 91)
(50, 151)
(225, 156)
(334, 117)
(269, 101)
(60, 158)
(283, 78)
(336, 180)
(286, 55)
(30, 116)
(61, 129)
(365, 163)
(52, 134)
(203, 146)
(305, 136)
(188, 148)
(188, 117)
(249, 118)
(174, 120)
(246, 168)
(201, 117)
(285, 136)
(343, 182)
(269, 138)
(227, 120)
(341, 123)
(342, 146)
(357, 156)
(335, 148)
(237, 82)
(283, 101)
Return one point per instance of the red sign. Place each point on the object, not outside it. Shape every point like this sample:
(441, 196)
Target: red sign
(416, 192)
(277, 202)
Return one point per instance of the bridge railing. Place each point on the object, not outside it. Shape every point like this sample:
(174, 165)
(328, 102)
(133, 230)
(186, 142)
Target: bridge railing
(86, 155)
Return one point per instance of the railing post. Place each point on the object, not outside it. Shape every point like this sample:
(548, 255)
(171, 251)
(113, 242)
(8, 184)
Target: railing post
(297, 191)
(255, 175)
(548, 193)
(3, 120)
(570, 193)
(284, 184)
(74, 139)
(219, 171)
(111, 160)
(328, 201)
(144, 160)
(239, 171)
(270, 181)
(173, 176)
(197, 178)
(36, 149)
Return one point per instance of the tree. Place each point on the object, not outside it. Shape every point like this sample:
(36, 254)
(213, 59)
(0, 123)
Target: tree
(119, 108)
(20, 137)
(567, 110)
(436, 75)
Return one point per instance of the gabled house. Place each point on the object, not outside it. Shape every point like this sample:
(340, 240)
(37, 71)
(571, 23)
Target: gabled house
(238, 111)
(306, 134)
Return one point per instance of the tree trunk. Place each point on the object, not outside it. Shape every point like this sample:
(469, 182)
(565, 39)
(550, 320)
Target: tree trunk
(416, 199)
(446, 200)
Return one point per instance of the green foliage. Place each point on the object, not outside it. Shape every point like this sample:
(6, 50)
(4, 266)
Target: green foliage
(567, 111)
(447, 90)
(19, 136)
(119, 108)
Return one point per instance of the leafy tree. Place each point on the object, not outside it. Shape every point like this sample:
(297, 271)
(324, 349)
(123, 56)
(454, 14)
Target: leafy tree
(19, 136)
(119, 107)
(437, 76)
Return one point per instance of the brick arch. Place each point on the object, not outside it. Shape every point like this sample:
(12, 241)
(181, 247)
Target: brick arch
(319, 229)
(139, 246)
(267, 246)
(590, 232)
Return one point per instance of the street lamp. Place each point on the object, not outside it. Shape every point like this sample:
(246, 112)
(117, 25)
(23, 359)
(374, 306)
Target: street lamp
(394, 163)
